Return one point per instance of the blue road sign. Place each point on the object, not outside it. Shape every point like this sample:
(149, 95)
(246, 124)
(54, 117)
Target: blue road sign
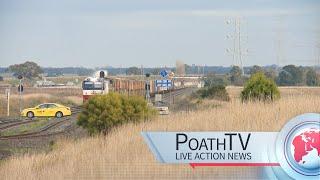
(163, 83)
(164, 73)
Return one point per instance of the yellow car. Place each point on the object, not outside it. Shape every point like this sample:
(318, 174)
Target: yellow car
(47, 110)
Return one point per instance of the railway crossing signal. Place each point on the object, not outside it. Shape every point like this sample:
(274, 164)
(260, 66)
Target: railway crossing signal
(147, 88)
(101, 74)
(20, 90)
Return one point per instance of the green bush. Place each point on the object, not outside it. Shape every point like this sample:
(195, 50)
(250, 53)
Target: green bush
(213, 80)
(103, 112)
(218, 92)
(260, 88)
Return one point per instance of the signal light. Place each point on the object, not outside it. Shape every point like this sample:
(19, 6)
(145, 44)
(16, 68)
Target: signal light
(102, 74)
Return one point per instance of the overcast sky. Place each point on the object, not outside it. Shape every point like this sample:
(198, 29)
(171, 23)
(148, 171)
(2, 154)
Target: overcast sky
(93, 33)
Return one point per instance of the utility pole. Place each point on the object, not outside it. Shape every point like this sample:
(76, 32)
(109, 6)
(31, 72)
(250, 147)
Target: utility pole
(239, 41)
(203, 70)
(8, 101)
(142, 70)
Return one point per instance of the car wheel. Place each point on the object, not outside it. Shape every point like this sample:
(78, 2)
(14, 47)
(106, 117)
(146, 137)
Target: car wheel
(30, 114)
(59, 114)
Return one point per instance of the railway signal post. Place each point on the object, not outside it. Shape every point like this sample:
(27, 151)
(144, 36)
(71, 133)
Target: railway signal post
(20, 90)
(147, 88)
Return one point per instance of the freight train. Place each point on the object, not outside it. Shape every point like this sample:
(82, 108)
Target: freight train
(101, 84)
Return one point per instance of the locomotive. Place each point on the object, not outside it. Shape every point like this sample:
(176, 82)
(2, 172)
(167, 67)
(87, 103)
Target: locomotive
(97, 84)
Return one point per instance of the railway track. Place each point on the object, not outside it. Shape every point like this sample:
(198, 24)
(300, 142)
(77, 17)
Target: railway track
(6, 123)
(76, 109)
(16, 123)
(175, 94)
(43, 132)
(7, 120)
(13, 122)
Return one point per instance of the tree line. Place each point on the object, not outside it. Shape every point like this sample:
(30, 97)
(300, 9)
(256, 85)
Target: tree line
(289, 75)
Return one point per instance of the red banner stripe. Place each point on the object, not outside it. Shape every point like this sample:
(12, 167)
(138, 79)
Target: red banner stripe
(193, 165)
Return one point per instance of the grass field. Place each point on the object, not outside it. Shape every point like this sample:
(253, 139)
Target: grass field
(31, 100)
(123, 153)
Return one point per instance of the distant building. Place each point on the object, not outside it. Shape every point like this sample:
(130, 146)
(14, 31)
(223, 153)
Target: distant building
(45, 83)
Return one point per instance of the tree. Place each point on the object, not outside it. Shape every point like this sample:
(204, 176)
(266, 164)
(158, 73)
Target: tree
(290, 75)
(217, 92)
(28, 69)
(155, 71)
(260, 88)
(188, 69)
(271, 74)
(103, 112)
(255, 69)
(312, 78)
(133, 71)
(236, 75)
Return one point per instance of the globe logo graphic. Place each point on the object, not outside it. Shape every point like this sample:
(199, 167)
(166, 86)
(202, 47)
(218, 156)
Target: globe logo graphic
(298, 148)
(305, 148)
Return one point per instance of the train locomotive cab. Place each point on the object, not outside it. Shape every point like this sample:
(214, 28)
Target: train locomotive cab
(95, 85)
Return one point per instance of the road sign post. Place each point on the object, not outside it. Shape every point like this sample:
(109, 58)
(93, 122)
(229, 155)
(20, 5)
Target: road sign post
(158, 97)
(165, 83)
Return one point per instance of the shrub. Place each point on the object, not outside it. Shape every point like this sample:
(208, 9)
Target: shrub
(218, 92)
(103, 112)
(212, 80)
(260, 88)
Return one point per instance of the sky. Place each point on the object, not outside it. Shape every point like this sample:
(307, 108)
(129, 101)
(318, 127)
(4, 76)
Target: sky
(149, 33)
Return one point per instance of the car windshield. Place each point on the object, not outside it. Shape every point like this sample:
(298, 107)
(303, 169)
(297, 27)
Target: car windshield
(160, 103)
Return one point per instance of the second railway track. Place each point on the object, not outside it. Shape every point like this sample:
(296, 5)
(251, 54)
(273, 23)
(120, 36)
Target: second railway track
(15, 123)
(43, 132)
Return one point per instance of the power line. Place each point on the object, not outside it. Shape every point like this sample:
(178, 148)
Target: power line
(238, 50)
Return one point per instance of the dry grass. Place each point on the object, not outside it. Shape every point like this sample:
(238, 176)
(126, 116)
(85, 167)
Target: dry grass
(123, 153)
(31, 100)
